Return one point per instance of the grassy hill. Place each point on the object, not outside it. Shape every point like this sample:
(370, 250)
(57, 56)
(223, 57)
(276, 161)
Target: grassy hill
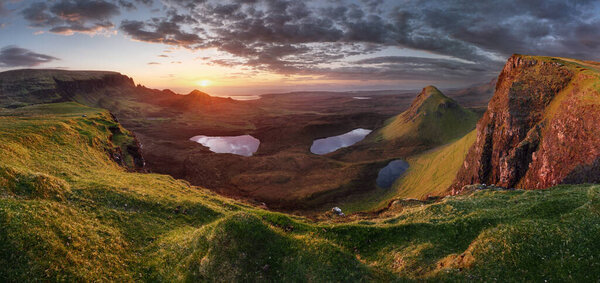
(433, 118)
(68, 212)
(432, 172)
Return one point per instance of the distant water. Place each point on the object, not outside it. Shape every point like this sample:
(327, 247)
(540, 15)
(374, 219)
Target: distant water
(388, 174)
(331, 144)
(244, 97)
(361, 97)
(244, 145)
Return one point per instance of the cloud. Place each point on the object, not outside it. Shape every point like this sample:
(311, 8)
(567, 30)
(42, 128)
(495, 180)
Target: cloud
(319, 38)
(294, 37)
(153, 63)
(413, 68)
(72, 16)
(13, 56)
(167, 31)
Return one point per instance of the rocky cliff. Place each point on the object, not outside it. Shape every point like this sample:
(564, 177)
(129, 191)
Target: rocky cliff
(24, 87)
(540, 128)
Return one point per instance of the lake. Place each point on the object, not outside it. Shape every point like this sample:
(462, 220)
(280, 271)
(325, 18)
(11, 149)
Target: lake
(388, 174)
(331, 144)
(244, 145)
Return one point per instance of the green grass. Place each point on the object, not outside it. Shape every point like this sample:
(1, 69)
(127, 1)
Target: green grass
(432, 172)
(69, 213)
(433, 119)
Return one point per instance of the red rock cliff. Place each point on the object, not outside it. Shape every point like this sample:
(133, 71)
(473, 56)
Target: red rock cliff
(541, 127)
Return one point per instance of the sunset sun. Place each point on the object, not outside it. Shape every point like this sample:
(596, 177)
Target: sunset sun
(204, 83)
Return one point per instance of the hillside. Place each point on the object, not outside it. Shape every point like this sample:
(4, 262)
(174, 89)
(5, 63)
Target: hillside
(540, 128)
(432, 172)
(69, 212)
(432, 118)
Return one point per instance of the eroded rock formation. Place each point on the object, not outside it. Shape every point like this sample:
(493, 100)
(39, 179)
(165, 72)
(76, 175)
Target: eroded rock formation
(541, 127)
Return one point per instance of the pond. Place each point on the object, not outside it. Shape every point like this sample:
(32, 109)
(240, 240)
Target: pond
(244, 97)
(244, 145)
(331, 144)
(388, 174)
(361, 97)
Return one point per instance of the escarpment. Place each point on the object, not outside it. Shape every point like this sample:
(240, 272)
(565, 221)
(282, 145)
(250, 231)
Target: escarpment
(540, 128)
(29, 86)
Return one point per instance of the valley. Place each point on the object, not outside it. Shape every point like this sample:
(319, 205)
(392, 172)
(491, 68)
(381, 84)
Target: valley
(283, 173)
(102, 179)
(299, 141)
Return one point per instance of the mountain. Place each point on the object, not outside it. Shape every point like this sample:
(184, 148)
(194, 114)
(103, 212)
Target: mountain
(432, 118)
(540, 128)
(110, 90)
(74, 205)
(70, 212)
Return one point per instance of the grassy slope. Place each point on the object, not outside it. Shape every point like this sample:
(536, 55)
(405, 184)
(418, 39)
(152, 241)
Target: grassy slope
(431, 173)
(432, 122)
(69, 213)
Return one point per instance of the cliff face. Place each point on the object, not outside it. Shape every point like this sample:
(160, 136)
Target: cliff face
(540, 128)
(24, 87)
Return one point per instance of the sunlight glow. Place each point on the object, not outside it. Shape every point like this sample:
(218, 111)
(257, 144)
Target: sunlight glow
(204, 83)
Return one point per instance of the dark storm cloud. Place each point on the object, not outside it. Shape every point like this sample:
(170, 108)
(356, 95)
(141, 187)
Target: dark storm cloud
(161, 31)
(13, 56)
(418, 68)
(318, 37)
(505, 27)
(290, 37)
(68, 16)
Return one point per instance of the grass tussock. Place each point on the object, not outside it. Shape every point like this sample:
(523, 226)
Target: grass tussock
(70, 213)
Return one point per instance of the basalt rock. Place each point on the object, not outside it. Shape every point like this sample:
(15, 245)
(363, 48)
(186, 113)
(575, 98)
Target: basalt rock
(540, 128)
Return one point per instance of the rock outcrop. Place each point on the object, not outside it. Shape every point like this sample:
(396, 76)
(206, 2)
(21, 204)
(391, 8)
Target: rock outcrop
(540, 128)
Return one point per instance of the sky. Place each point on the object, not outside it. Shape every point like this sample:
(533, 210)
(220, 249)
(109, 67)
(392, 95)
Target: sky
(234, 47)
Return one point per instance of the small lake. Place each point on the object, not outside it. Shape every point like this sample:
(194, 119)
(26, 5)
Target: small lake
(331, 144)
(244, 145)
(388, 174)
(244, 97)
(361, 97)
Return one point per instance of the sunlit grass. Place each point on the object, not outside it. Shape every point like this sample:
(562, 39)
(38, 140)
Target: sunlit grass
(69, 213)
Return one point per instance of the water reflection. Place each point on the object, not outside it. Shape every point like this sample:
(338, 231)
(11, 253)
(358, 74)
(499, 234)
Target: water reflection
(244, 145)
(388, 174)
(244, 97)
(331, 144)
(361, 97)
